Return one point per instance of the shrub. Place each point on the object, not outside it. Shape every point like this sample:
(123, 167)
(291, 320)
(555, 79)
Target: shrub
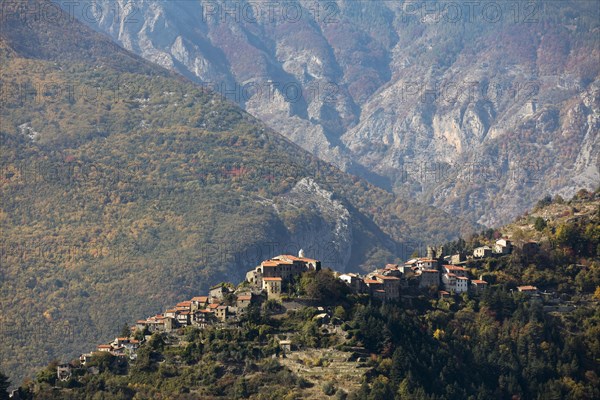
(329, 389)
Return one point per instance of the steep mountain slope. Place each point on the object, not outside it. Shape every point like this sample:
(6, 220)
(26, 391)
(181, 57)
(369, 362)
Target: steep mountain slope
(495, 342)
(125, 187)
(475, 108)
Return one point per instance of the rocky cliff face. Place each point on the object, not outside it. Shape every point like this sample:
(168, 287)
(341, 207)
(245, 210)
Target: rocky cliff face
(319, 222)
(477, 109)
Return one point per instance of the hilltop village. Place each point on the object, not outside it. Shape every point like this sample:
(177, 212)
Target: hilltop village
(225, 305)
(294, 328)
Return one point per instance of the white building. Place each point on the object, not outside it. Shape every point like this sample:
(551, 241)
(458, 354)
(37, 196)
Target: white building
(503, 246)
(482, 252)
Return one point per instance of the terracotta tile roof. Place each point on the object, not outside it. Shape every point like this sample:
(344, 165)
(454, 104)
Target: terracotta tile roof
(213, 306)
(388, 278)
(104, 346)
(245, 298)
(462, 278)
(140, 321)
(430, 270)
(454, 268)
(272, 279)
(426, 260)
(527, 288)
(200, 299)
(372, 282)
(391, 266)
(294, 258)
(184, 304)
(271, 263)
(479, 282)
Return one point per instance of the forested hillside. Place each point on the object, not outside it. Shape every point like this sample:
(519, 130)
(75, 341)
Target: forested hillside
(124, 187)
(498, 343)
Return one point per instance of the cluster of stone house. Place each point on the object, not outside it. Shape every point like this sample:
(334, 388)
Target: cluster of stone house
(224, 304)
(200, 311)
(121, 347)
(221, 304)
(271, 274)
(503, 247)
(386, 283)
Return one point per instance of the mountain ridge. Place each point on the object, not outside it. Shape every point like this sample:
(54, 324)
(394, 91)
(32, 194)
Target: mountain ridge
(120, 178)
(388, 88)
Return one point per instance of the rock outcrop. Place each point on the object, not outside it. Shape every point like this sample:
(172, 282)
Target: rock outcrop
(407, 96)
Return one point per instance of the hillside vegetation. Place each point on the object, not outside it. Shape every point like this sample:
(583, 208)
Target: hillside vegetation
(494, 344)
(124, 187)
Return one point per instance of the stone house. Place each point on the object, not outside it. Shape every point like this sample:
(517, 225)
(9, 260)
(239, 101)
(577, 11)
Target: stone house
(459, 258)
(183, 306)
(272, 285)
(63, 372)
(198, 303)
(482, 252)
(391, 286)
(428, 278)
(218, 292)
(243, 300)
(85, 358)
(373, 286)
(155, 323)
(478, 285)
(453, 269)
(183, 318)
(426, 263)
(106, 348)
(283, 266)
(408, 266)
(301, 263)
(203, 318)
(527, 289)
(503, 246)
(221, 313)
(354, 281)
